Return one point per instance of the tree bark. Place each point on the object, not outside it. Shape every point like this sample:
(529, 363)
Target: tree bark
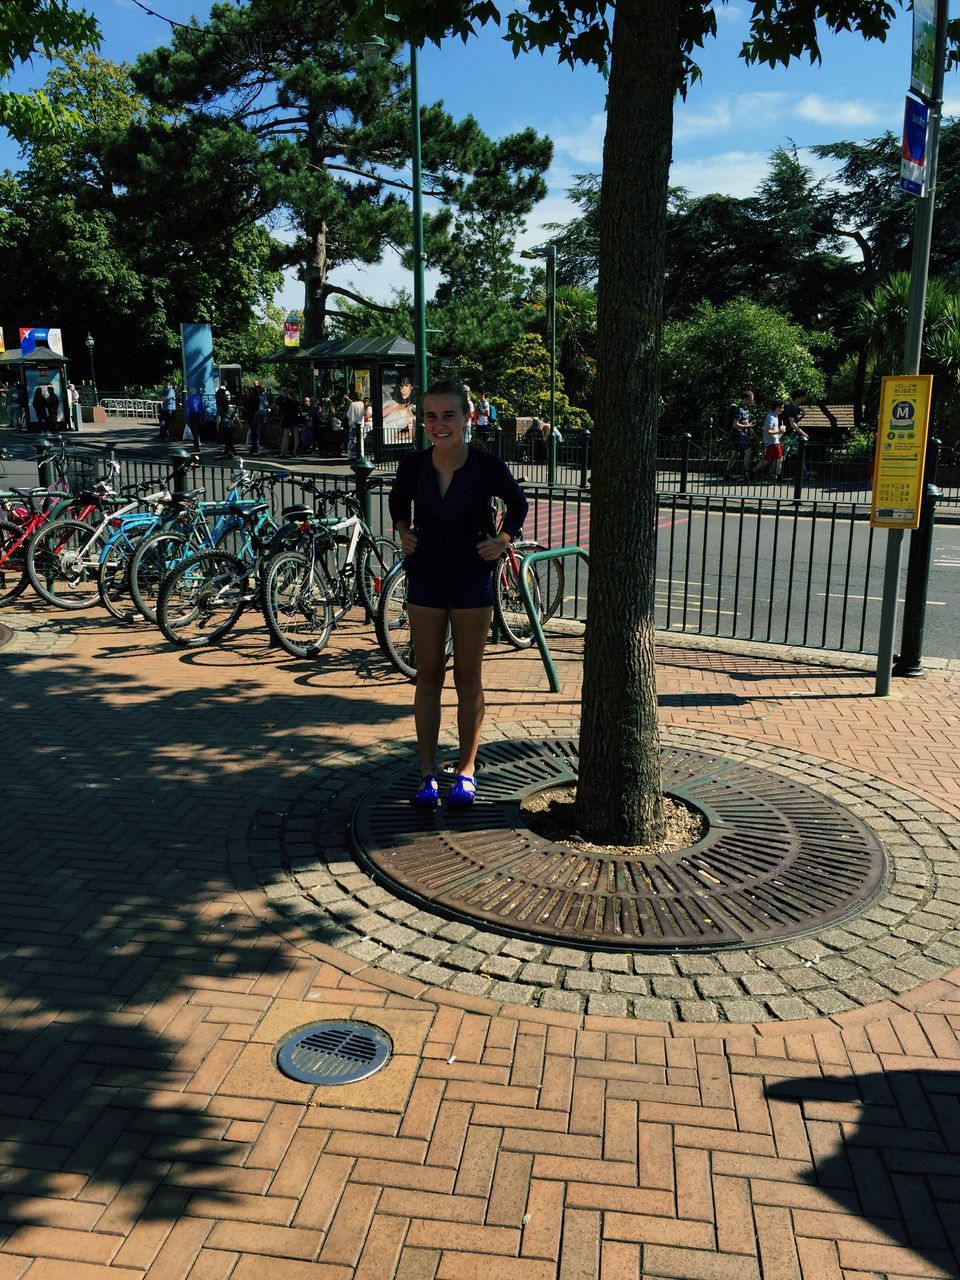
(314, 284)
(619, 796)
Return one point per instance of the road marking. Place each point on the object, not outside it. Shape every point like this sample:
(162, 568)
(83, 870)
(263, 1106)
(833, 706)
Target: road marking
(849, 595)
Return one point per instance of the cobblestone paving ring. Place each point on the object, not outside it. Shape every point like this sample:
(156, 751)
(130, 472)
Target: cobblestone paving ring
(297, 847)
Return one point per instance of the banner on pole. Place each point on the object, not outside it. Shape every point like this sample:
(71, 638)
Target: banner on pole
(901, 451)
(291, 331)
(924, 45)
(913, 164)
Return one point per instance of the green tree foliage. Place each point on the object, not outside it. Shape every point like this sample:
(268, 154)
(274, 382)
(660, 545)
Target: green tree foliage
(648, 48)
(711, 358)
(50, 28)
(327, 141)
(106, 236)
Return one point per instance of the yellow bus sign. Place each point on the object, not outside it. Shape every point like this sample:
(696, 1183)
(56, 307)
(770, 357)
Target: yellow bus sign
(901, 451)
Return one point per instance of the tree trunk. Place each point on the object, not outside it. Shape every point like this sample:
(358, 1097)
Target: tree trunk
(619, 797)
(314, 284)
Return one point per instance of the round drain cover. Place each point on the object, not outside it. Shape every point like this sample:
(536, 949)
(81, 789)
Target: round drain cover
(333, 1052)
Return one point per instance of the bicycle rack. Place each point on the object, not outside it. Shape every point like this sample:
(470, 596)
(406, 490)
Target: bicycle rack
(534, 557)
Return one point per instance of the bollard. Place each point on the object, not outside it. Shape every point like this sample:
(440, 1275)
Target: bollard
(46, 452)
(685, 460)
(910, 660)
(585, 460)
(183, 461)
(363, 468)
(801, 468)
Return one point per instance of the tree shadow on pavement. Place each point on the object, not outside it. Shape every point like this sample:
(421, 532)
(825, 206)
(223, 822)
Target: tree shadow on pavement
(886, 1150)
(132, 970)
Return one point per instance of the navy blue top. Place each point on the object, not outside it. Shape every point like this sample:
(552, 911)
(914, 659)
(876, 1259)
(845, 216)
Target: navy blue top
(448, 528)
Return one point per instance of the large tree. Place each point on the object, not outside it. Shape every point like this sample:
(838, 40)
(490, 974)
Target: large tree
(648, 48)
(101, 232)
(332, 140)
(50, 28)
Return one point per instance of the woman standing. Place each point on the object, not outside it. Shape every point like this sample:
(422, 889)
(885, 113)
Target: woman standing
(441, 504)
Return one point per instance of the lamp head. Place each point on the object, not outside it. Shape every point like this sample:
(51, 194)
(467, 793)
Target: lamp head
(374, 50)
(89, 341)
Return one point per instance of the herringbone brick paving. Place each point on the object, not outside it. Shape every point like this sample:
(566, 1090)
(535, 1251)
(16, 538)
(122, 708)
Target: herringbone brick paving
(146, 1134)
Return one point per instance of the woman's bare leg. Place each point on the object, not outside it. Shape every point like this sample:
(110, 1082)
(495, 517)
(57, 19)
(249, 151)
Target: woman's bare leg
(428, 630)
(470, 630)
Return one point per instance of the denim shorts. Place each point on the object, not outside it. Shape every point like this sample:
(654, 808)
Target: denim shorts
(475, 594)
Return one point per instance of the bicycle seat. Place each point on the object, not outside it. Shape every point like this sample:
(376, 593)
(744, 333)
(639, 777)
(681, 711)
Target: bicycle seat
(188, 495)
(299, 511)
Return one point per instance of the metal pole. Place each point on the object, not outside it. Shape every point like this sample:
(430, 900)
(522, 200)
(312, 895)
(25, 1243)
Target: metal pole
(913, 344)
(685, 461)
(552, 338)
(419, 299)
(910, 661)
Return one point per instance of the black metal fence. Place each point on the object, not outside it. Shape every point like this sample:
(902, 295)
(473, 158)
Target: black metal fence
(802, 572)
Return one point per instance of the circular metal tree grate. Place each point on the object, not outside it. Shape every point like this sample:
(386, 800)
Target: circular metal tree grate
(333, 1052)
(778, 860)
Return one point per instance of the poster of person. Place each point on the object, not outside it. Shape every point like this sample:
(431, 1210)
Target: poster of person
(398, 407)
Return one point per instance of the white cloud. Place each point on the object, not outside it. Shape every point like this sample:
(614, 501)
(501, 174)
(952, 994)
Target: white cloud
(584, 145)
(727, 12)
(688, 123)
(828, 111)
(730, 173)
(951, 106)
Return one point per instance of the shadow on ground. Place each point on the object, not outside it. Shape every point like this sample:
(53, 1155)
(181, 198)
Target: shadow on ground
(886, 1149)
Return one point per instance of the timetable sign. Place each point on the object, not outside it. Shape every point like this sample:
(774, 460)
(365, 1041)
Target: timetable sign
(901, 451)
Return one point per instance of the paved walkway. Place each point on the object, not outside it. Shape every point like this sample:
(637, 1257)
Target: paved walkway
(148, 973)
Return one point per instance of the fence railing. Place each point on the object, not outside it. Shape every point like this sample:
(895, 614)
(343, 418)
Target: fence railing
(748, 567)
(125, 407)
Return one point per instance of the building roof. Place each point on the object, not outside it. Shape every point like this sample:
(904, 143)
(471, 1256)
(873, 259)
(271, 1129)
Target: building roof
(335, 351)
(39, 355)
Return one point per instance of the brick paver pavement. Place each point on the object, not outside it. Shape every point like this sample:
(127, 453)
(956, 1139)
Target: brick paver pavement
(146, 1134)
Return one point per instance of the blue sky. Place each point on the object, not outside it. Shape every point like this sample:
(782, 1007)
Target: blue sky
(724, 132)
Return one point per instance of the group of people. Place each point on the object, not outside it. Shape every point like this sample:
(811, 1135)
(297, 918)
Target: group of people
(780, 432)
(49, 413)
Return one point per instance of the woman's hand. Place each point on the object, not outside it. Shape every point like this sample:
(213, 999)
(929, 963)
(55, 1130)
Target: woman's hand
(408, 542)
(490, 549)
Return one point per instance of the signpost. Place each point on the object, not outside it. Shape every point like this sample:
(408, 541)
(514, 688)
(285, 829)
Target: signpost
(901, 451)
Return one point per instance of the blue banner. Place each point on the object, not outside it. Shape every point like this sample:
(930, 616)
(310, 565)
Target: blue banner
(913, 165)
(196, 341)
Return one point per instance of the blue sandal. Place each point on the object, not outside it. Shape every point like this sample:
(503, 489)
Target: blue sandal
(463, 792)
(428, 793)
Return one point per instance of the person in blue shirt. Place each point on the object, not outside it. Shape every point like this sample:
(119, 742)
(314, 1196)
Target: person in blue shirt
(441, 505)
(193, 414)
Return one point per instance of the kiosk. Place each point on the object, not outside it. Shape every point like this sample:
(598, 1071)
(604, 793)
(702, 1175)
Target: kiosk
(37, 372)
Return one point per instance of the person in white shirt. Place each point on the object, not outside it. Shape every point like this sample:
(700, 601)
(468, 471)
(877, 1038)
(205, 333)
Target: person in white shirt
(772, 441)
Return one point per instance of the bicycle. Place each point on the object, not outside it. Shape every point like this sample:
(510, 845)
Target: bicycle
(308, 588)
(65, 556)
(185, 531)
(43, 506)
(214, 584)
(393, 621)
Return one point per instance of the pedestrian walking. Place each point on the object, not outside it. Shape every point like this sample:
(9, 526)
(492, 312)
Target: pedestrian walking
(53, 409)
(193, 414)
(226, 420)
(74, 417)
(288, 415)
(355, 410)
(772, 445)
(739, 424)
(440, 504)
(40, 408)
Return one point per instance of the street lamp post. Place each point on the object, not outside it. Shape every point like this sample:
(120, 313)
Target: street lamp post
(93, 376)
(550, 254)
(373, 50)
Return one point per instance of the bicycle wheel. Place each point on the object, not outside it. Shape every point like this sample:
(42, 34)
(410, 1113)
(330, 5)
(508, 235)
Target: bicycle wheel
(152, 561)
(202, 598)
(546, 589)
(377, 557)
(393, 624)
(113, 579)
(62, 563)
(13, 562)
(294, 598)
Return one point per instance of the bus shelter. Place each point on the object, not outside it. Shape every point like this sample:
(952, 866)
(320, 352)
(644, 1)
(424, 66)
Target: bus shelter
(38, 372)
(379, 370)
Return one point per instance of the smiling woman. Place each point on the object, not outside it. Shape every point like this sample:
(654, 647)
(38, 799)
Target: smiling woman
(441, 504)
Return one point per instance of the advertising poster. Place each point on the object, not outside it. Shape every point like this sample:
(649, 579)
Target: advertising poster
(35, 337)
(196, 342)
(913, 163)
(396, 389)
(291, 332)
(924, 43)
(901, 451)
(46, 413)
